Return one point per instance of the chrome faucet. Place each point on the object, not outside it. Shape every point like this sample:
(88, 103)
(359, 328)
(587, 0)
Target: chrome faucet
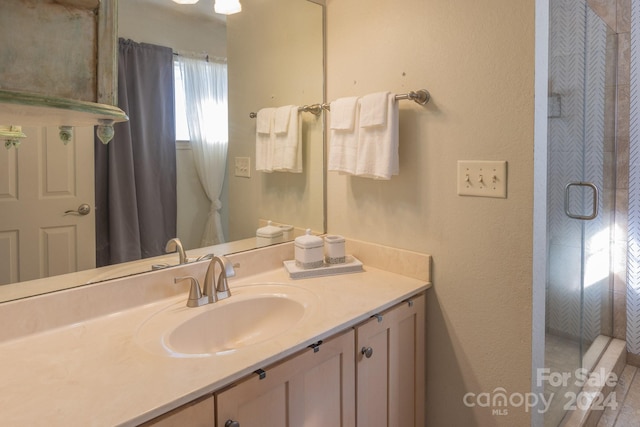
(174, 245)
(217, 290)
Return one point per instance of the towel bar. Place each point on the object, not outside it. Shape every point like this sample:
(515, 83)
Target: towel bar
(314, 109)
(421, 97)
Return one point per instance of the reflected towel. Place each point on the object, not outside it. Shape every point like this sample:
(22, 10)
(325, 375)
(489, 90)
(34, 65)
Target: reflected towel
(281, 120)
(378, 144)
(287, 154)
(264, 140)
(264, 118)
(343, 135)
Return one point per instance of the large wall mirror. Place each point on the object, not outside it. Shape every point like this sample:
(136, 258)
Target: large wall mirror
(274, 51)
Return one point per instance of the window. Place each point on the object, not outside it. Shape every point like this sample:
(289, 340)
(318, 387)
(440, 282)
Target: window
(182, 130)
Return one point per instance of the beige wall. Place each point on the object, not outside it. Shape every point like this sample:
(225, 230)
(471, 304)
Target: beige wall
(275, 59)
(477, 60)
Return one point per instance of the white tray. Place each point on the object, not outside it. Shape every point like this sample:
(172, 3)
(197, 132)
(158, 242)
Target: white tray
(351, 265)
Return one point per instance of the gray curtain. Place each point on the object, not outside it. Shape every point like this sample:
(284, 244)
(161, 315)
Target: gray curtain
(136, 171)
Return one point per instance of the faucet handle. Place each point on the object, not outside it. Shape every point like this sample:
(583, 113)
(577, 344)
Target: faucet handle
(195, 293)
(222, 287)
(228, 267)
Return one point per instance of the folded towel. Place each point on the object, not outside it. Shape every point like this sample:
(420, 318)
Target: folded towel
(373, 109)
(281, 120)
(378, 145)
(264, 140)
(287, 153)
(264, 118)
(343, 111)
(343, 136)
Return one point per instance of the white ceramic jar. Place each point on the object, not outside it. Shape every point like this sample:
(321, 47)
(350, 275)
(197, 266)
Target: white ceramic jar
(268, 235)
(309, 251)
(287, 232)
(334, 249)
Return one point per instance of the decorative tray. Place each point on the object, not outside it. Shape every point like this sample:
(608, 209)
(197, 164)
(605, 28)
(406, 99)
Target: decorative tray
(351, 265)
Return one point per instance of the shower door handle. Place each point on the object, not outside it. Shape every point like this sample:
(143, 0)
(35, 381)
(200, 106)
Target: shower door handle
(594, 210)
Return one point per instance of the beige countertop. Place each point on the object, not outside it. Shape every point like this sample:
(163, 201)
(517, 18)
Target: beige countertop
(96, 373)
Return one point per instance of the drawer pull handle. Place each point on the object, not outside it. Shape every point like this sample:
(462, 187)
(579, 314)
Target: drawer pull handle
(367, 352)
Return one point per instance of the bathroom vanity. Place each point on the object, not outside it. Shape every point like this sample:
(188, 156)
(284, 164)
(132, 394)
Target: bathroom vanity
(338, 350)
(375, 361)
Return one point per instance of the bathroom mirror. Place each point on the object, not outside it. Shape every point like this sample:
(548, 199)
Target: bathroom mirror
(274, 51)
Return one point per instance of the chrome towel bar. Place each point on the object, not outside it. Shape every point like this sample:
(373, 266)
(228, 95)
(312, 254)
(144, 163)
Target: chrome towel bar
(421, 97)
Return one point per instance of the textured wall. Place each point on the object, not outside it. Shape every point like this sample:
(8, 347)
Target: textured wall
(275, 58)
(477, 60)
(32, 60)
(633, 283)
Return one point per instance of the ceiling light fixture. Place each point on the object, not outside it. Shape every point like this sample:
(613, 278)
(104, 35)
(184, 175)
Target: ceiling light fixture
(186, 1)
(227, 7)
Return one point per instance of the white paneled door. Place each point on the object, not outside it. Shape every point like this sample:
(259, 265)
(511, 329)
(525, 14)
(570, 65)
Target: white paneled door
(40, 181)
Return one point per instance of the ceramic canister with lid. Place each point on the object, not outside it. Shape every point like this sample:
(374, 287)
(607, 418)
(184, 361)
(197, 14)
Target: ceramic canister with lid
(309, 251)
(268, 234)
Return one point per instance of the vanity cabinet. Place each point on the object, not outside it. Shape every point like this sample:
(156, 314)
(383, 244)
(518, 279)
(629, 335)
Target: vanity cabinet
(390, 373)
(199, 413)
(314, 388)
(368, 376)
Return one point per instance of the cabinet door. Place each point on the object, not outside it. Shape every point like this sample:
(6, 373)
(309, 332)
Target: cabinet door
(391, 367)
(314, 388)
(199, 413)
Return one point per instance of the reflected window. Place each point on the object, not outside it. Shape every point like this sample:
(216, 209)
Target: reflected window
(182, 130)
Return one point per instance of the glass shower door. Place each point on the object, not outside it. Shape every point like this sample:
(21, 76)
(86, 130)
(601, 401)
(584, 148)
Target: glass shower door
(581, 195)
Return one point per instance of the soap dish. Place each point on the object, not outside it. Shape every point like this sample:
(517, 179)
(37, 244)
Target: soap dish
(351, 265)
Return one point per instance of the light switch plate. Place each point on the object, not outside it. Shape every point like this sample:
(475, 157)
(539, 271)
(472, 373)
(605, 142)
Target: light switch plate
(482, 178)
(243, 167)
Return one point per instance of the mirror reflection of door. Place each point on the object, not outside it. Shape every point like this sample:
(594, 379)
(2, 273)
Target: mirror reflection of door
(39, 181)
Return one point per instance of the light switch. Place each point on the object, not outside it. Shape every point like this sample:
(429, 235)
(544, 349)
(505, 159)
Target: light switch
(482, 178)
(243, 167)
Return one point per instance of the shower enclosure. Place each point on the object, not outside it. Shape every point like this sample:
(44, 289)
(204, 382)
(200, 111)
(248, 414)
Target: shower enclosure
(581, 176)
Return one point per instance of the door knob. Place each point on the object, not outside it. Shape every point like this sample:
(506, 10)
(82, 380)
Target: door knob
(83, 209)
(231, 423)
(367, 351)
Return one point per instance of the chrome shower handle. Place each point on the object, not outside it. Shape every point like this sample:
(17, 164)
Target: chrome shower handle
(596, 195)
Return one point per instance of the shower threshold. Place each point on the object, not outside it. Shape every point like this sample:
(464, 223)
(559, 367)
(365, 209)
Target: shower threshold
(595, 395)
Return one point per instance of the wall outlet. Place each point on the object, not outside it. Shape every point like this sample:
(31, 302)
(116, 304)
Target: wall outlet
(482, 178)
(243, 167)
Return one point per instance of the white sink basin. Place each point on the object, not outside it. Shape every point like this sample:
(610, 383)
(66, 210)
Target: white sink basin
(253, 314)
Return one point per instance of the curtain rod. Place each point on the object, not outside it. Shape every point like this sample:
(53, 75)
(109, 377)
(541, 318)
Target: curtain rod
(200, 55)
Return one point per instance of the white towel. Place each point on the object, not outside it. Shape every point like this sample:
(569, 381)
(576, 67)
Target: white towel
(264, 140)
(287, 153)
(264, 118)
(343, 135)
(374, 109)
(378, 144)
(343, 112)
(281, 120)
